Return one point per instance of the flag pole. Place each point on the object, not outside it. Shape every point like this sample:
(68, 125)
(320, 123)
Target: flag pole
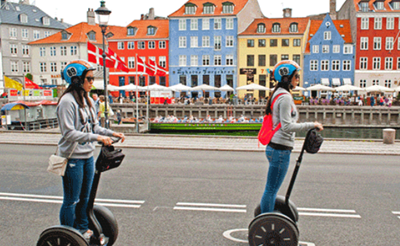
(137, 89)
(148, 101)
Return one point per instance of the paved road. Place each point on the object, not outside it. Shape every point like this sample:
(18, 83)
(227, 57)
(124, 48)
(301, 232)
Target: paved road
(186, 197)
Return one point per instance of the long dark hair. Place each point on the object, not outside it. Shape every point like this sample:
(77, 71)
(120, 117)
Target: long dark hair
(285, 84)
(78, 92)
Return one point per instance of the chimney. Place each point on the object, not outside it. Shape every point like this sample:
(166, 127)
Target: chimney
(287, 13)
(332, 9)
(24, 2)
(62, 20)
(151, 14)
(141, 16)
(91, 18)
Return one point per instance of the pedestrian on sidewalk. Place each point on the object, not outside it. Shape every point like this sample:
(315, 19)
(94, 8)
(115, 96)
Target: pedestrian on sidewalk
(281, 145)
(79, 127)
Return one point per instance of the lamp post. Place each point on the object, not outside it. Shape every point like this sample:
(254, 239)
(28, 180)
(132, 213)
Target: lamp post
(104, 15)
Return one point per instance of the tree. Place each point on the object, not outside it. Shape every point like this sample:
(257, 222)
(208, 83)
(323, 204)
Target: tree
(29, 76)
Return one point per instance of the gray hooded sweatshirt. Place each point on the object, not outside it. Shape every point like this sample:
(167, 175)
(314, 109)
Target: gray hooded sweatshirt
(71, 128)
(285, 112)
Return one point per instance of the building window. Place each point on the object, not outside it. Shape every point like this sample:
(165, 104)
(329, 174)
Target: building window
(327, 35)
(296, 58)
(348, 49)
(43, 67)
(364, 43)
(250, 42)
(261, 60)
(131, 62)
(390, 23)
(64, 36)
(53, 67)
(53, 51)
(396, 5)
(194, 60)
(190, 9)
(206, 60)
(23, 18)
(273, 42)
(375, 82)
(217, 60)
(296, 42)
(229, 41)
(36, 34)
(284, 57)
(363, 63)
(182, 42)
(389, 63)
(363, 83)
(217, 24)
(293, 27)
(131, 45)
(162, 45)
(227, 8)
(262, 43)
(217, 42)
(13, 33)
(377, 43)
(206, 41)
(398, 63)
(182, 60)
(273, 59)
(346, 65)
(26, 67)
(389, 43)
(336, 49)
(46, 21)
(206, 24)
(229, 23)
(250, 60)
(276, 27)
(388, 83)
(25, 49)
(208, 8)
(121, 45)
(376, 63)
(141, 45)
(325, 65)
(151, 30)
(364, 23)
(194, 41)
(25, 33)
(63, 50)
(380, 5)
(364, 6)
(229, 60)
(314, 65)
(92, 36)
(63, 65)
(162, 61)
(152, 44)
(261, 28)
(325, 48)
(285, 42)
(42, 51)
(335, 65)
(194, 24)
(162, 81)
(315, 48)
(182, 24)
(378, 23)
(131, 31)
(14, 49)
(14, 66)
(74, 50)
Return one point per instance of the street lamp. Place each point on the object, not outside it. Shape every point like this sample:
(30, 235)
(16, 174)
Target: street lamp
(104, 15)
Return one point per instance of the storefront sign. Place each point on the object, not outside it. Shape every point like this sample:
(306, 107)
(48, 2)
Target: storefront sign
(205, 71)
(15, 95)
(248, 71)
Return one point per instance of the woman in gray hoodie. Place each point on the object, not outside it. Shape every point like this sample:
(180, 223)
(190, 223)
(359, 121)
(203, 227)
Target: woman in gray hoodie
(278, 151)
(79, 128)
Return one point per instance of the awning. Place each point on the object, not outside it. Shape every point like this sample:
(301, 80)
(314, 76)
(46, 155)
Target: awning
(336, 81)
(347, 81)
(13, 106)
(325, 81)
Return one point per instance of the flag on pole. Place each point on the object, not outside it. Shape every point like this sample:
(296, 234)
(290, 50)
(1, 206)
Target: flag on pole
(29, 84)
(140, 65)
(95, 55)
(155, 69)
(118, 63)
(10, 83)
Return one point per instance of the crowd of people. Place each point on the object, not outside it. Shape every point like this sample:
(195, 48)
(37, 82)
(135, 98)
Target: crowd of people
(357, 100)
(208, 119)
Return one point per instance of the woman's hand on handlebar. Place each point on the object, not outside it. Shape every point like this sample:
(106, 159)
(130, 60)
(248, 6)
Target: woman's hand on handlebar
(119, 135)
(105, 140)
(318, 126)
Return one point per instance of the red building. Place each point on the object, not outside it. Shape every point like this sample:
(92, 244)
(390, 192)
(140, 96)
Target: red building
(146, 38)
(376, 30)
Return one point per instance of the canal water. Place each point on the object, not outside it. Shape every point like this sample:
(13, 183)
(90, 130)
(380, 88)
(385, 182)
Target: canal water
(328, 132)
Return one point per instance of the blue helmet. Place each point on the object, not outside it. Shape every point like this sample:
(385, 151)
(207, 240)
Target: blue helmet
(285, 68)
(74, 71)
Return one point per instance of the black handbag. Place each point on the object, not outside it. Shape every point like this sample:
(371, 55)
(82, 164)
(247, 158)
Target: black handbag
(313, 141)
(109, 158)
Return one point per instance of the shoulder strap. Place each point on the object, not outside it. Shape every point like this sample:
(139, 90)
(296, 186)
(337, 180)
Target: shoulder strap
(273, 102)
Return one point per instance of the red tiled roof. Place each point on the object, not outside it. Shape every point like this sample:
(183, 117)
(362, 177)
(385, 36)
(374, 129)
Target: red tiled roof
(372, 7)
(239, 4)
(345, 30)
(284, 22)
(78, 34)
(162, 31)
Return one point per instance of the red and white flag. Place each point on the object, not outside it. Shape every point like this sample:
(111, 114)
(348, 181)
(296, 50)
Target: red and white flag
(118, 63)
(29, 84)
(95, 55)
(155, 69)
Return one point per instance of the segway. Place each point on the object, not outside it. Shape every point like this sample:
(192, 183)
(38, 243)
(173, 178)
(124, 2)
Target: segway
(101, 221)
(279, 228)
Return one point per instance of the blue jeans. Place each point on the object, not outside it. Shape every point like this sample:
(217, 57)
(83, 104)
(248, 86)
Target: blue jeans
(278, 166)
(77, 184)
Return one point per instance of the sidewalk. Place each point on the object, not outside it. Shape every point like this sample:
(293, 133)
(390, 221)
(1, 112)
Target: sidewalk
(216, 143)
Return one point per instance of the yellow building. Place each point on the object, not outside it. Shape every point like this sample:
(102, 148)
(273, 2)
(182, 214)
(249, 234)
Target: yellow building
(266, 42)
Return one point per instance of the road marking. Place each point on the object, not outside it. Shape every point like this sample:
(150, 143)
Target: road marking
(354, 216)
(58, 200)
(210, 207)
(326, 212)
(396, 213)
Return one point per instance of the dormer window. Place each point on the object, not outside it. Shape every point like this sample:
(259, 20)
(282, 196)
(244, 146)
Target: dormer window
(276, 27)
(208, 8)
(46, 21)
(380, 5)
(65, 35)
(190, 9)
(293, 27)
(23, 18)
(151, 30)
(364, 6)
(227, 8)
(261, 28)
(131, 31)
(92, 35)
(395, 5)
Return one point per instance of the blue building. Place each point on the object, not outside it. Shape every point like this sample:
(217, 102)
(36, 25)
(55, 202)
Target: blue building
(329, 54)
(203, 42)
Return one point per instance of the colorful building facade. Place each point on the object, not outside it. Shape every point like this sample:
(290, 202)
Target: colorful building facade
(329, 55)
(204, 46)
(266, 42)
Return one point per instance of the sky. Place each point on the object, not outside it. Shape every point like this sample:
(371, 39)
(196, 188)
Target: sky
(125, 11)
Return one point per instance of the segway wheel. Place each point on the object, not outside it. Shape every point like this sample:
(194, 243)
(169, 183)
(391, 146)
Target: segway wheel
(280, 206)
(108, 223)
(61, 236)
(273, 229)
